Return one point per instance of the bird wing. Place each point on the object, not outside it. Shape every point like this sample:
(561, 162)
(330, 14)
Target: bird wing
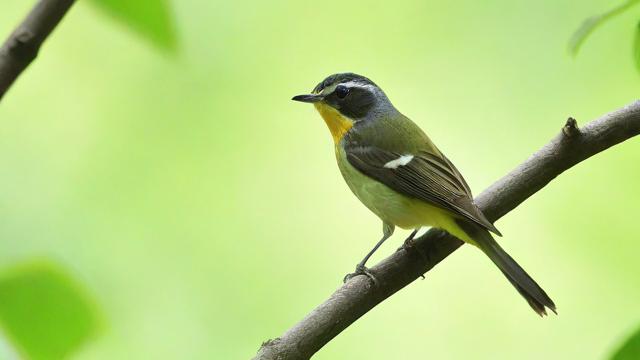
(425, 176)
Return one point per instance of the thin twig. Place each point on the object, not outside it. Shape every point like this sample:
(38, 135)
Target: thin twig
(22, 46)
(358, 295)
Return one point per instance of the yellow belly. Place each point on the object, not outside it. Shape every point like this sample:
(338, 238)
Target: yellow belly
(389, 205)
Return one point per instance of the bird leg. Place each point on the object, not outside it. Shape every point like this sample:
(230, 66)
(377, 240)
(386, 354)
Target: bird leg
(409, 242)
(361, 269)
(409, 245)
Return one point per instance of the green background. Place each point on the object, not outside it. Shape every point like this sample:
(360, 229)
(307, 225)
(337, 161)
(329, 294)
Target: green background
(204, 212)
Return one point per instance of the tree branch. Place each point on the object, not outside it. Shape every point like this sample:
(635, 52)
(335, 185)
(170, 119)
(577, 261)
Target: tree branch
(22, 46)
(358, 295)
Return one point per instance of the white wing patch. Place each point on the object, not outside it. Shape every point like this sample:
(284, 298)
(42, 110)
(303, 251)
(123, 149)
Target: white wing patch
(401, 161)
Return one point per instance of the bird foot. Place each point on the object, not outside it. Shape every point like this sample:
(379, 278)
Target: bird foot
(408, 244)
(361, 270)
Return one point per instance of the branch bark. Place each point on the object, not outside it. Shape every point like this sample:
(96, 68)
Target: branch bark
(22, 46)
(358, 295)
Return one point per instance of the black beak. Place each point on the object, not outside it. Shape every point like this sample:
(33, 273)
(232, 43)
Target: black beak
(311, 98)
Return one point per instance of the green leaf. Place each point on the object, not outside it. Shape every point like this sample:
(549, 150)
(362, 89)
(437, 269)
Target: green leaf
(636, 47)
(150, 18)
(589, 25)
(630, 350)
(43, 312)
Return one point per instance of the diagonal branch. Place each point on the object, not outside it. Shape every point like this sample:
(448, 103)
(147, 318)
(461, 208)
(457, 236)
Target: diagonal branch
(358, 296)
(22, 46)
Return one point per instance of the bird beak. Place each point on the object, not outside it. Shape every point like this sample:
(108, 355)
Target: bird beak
(311, 98)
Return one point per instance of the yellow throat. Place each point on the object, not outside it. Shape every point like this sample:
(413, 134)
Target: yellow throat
(338, 124)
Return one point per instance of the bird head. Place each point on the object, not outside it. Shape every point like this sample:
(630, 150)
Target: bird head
(346, 99)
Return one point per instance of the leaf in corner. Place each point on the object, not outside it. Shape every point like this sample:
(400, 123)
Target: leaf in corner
(150, 18)
(44, 314)
(589, 25)
(630, 349)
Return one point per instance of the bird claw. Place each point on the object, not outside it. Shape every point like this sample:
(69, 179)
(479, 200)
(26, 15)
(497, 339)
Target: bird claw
(361, 270)
(408, 244)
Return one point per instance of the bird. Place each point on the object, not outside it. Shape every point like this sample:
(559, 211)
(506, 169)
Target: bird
(397, 172)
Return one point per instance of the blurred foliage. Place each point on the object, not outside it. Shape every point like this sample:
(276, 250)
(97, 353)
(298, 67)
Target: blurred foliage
(151, 18)
(589, 25)
(630, 349)
(636, 46)
(44, 312)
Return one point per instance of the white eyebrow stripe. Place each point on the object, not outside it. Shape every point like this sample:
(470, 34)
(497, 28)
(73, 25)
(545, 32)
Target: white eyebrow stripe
(401, 161)
(358, 84)
(349, 84)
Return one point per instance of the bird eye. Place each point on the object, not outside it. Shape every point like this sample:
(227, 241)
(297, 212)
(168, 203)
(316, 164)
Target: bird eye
(341, 91)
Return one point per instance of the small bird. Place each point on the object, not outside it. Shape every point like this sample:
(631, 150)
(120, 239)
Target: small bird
(395, 170)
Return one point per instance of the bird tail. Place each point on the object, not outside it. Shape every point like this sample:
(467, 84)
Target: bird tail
(526, 286)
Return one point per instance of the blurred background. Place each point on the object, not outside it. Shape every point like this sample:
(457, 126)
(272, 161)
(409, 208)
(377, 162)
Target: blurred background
(202, 211)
